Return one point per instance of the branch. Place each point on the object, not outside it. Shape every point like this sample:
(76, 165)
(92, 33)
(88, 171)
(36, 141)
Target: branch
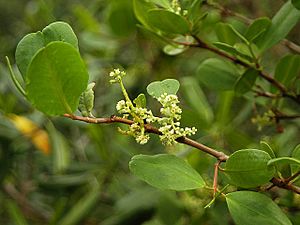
(227, 12)
(221, 156)
(264, 75)
(150, 129)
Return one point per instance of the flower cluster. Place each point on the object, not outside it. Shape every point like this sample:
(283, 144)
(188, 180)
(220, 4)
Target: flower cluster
(116, 76)
(170, 125)
(176, 6)
(169, 122)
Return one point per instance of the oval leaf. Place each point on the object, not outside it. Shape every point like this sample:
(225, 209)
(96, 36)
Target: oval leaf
(248, 208)
(246, 81)
(140, 101)
(248, 168)
(217, 74)
(157, 88)
(168, 21)
(288, 69)
(257, 28)
(284, 20)
(31, 43)
(267, 148)
(56, 78)
(166, 171)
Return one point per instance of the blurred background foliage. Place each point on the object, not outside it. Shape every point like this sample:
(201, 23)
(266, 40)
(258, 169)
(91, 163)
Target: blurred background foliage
(58, 171)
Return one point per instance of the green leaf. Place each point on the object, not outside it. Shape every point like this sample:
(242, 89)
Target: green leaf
(140, 101)
(246, 81)
(257, 28)
(163, 3)
(140, 7)
(248, 208)
(86, 100)
(157, 88)
(56, 78)
(31, 43)
(228, 34)
(233, 50)
(166, 171)
(168, 21)
(296, 4)
(217, 74)
(283, 160)
(174, 49)
(15, 213)
(267, 148)
(248, 168)
(288, 69)
(296, 155)
(284, 20)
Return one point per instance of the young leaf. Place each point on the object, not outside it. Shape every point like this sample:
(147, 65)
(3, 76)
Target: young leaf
(248, 208)
(283, 160)
(174, 49)
(288, 69)
(248, 168)
(86, 100)
(217, 74)
(284, 20)
(56, 78)
(140, 101)
(157, 88)
(246, 81)
(166, 171)
(257, 28)
(31, 43)
(168, 21)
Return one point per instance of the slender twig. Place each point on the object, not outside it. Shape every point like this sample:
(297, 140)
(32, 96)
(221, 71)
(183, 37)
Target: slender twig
(294, 176)
(215, 184)
(221, 156)
(227, 13)
(264, 75)
(150, 129)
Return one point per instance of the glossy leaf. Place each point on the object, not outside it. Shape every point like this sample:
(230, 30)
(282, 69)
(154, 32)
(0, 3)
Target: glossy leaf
(157, 88)
(246, 81)
(166, 171)
(31, 43)
(217, 74)
(283, 160)
(248, 208)
(140, 101)
(140, 7)
(288, 69)
(248, 168)
(168, 21)
(257, 28)
(284, 20)
(56, 78)
(296, 4)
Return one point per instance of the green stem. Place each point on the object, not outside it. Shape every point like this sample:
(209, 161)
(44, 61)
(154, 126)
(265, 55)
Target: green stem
(13, 77)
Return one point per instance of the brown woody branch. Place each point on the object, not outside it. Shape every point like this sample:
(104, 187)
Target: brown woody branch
(222, 157)
(227, 13)
(264, 75)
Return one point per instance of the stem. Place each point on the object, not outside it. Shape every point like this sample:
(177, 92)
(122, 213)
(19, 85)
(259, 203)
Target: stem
(264, 75)
(221, 156)
(215, 185)
(14, 78)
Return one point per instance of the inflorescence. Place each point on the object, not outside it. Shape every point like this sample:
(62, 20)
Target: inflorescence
(169, 122)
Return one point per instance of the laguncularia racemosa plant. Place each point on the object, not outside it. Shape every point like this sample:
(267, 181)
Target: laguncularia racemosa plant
(56, 83)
